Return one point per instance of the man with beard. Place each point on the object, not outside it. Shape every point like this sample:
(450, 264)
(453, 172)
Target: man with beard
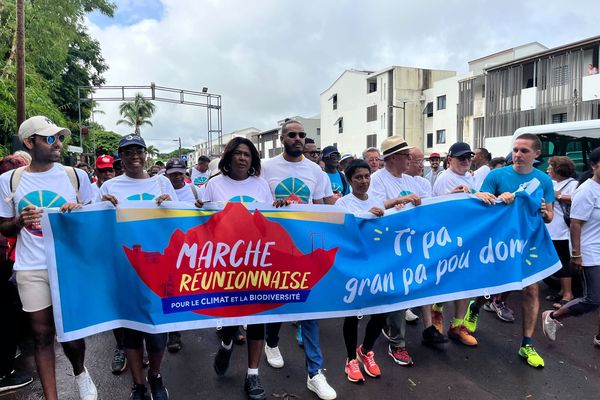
(480, 162)
(436, 168)
(294, 178)
(44, 183)
(311, 151)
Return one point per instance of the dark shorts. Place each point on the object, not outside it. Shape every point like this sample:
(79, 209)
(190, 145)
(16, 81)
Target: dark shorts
(564, 254)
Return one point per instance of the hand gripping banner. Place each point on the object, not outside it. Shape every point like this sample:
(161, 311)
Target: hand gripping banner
(175, 267)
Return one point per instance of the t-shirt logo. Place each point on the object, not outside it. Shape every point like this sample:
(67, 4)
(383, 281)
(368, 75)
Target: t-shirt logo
(294, 190)
(141, 196)
(405, 193)
(41, 199)
(201, 180)
(242, 199)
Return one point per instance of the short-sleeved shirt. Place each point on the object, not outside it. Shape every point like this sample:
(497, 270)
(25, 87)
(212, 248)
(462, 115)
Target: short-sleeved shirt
(48, 189)
(200, 178)
(557, 228)
(353, 204)
(480, 174)
(251, 189)
(186, 193)
(449, 180)
(126, 188)
(425, 185)
(300, 182)
(433, 175)
(506, 179)
(586, 207)
(337, 184)
(386, 186)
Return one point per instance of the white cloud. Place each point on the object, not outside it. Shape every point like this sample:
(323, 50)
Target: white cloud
(271, 59)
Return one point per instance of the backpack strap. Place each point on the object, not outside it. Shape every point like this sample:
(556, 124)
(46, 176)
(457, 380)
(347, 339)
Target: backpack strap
(344, 183)
(15, 178)
(74, 179)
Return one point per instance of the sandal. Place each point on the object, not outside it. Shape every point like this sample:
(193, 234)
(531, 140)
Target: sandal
(554, 297)
(560, 303)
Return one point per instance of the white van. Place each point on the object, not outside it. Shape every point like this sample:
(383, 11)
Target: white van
(572, 139)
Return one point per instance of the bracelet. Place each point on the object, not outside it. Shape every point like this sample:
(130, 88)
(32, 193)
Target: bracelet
(573, 256)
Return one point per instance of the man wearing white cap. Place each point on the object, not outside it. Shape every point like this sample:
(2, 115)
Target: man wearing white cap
(27, 191)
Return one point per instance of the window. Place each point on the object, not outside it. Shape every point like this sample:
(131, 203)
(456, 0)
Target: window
(440, 136)
(429, 109)
(441, 102)
(318, 131)
(340, 124)
(372, 140)
(372, 113)
(429, 140)
(334, 101)
(529, 78)
(559, 118)
(371, 86)
(561, 75)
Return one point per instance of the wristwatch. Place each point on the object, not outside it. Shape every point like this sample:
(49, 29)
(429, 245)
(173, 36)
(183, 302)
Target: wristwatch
(559, 197)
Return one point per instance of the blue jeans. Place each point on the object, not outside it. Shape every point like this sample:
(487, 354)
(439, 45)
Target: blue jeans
(312, 347)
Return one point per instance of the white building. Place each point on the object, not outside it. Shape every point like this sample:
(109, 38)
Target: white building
(204, 149)
(268, 144)
(361, 108)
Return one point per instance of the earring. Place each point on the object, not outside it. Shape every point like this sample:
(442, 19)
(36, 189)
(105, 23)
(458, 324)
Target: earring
(251, 171)
(226, 169)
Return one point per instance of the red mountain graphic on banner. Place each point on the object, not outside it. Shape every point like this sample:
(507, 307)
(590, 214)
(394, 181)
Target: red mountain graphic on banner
(237, 263)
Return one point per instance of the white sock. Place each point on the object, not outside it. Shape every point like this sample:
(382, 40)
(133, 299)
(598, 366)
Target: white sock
(227, 347)
(252, 371)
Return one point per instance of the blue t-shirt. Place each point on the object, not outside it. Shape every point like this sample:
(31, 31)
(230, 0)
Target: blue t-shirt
(337, 185)
(506, 179)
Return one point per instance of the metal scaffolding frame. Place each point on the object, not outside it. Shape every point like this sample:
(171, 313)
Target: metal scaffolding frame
(211, 101)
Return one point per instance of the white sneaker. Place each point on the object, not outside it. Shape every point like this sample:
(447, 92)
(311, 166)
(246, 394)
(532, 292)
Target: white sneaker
(549, 325)
(274, 357)
(410, 316)
(86, 387)
(318, 384)
(596, 341)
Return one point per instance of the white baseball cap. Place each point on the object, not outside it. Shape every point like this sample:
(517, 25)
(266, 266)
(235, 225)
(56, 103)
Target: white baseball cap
(41, 126)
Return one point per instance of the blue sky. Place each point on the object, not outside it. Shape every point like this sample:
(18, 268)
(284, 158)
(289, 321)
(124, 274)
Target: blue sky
(271, 59)
(130, 12)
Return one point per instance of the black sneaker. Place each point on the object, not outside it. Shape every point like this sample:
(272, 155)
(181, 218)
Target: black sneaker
(119, 362)
(254, 389)
(221, 363)
(14, 381)
(432, 336)
(174, 344)
(139, 392)
(159, 391)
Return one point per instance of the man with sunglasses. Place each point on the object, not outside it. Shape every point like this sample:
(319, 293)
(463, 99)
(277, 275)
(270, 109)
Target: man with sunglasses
(311, 150)
(458, 179)
(44, 183)
(294, 178)
(339, 185)
(137, 184)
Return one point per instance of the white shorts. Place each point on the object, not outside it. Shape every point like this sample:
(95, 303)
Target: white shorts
(34, 289)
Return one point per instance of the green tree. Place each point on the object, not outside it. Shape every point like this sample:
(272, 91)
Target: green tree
(136, 113)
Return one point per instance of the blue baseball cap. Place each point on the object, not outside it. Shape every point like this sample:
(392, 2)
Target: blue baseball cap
(132, 140)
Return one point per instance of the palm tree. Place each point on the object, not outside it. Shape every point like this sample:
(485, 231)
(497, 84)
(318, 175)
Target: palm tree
(137, 112)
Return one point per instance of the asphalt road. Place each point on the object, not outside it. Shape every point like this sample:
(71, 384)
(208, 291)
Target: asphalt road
(491, 371)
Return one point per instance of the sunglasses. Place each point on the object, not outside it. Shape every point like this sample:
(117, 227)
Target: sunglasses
(105, 170)
(52, 139)
(131, 153)
(465, 158)
(313, 153)
(292, 135)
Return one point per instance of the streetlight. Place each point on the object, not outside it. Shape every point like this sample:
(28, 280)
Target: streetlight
(403, 107)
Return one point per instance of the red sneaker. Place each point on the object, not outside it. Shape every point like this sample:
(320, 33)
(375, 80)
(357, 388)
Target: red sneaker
(352, 371)
(368, 362)
(400, 356)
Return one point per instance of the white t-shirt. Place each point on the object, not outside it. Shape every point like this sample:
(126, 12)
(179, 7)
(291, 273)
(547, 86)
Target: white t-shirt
(251, 189)
(200, 178)
(449, 180)
(480, 174)
(355, 205)
(186, 194)
(126, 188)
(557, 228)
(425, 186)
(586, 207)
(300, 182)
(49, 189)
(96, 190)
(386, 186)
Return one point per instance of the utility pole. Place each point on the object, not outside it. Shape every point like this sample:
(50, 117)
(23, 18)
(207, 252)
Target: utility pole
(20, 36)
(179, 148)
(403, 107)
